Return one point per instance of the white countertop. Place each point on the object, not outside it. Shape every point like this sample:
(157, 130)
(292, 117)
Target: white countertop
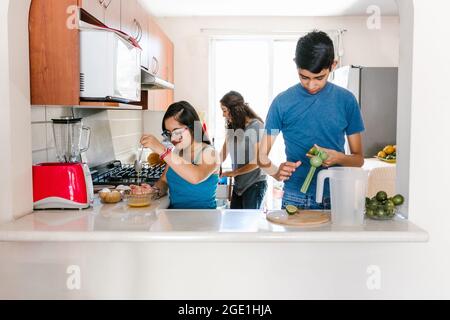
(119, 223)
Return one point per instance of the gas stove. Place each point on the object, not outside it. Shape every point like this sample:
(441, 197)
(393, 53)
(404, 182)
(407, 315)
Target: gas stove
(115, 173)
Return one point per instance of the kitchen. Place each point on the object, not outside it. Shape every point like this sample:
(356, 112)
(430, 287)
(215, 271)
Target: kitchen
(110, 236)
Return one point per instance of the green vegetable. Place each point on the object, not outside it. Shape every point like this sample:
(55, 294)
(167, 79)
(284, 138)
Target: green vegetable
(398, 200)
(313, 151)
(381, 196)
(315, 162)
(291, 210)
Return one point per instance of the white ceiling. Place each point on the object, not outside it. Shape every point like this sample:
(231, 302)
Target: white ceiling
(177, 8)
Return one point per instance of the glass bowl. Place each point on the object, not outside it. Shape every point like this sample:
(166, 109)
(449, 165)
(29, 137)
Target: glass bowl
(140, 200)
(381, 212)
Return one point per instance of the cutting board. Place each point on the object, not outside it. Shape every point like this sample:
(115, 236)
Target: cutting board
(303, 218)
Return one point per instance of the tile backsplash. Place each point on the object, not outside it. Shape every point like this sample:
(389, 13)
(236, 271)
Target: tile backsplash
(115, 134)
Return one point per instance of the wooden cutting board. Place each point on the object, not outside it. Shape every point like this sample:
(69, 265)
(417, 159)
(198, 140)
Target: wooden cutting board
(303, 218)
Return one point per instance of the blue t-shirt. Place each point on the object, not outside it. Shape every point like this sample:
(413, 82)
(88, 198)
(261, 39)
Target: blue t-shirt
(306, 119)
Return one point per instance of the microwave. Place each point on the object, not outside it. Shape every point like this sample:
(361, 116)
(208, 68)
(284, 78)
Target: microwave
(110, 67)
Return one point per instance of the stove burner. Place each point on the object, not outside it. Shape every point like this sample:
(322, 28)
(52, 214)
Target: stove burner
(115, 173)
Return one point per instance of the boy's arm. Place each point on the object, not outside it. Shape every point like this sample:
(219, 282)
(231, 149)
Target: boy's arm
(355, 159)
(286, 169)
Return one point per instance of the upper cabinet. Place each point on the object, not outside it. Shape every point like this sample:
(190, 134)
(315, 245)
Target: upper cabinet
(112, 14)
(95, 8)
(55, 49)
(134, 20)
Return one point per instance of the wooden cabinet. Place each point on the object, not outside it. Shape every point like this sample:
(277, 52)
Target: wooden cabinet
(112, 13)
(55, 49)
(170, 70)
(95, 8)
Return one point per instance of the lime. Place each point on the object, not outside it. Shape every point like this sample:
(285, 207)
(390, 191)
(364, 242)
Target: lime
(380, 212)
(389, 205)
(373, 204)
(370, 212)
(291, 210)
(381, 196)
(398, 200)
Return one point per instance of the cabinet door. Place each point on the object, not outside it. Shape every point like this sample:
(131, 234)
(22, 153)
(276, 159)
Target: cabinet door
(95, 8)
(112, 13)
(158, 50)
(142, 21)
(170, 70)
(128, 18)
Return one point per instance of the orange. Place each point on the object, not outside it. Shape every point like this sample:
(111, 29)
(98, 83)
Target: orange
(389, 150)
(381, 154)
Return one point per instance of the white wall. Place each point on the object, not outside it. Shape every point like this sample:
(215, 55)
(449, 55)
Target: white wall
(15, 131)
(372, 48)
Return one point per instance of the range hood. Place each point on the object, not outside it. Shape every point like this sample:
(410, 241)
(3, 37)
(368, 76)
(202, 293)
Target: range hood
(151, 82)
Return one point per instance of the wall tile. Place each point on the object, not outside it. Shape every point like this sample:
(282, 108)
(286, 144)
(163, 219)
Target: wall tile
(39, 136)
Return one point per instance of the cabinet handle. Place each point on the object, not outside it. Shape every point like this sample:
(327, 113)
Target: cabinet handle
(157, 66)
(140, 31)
(138, 36)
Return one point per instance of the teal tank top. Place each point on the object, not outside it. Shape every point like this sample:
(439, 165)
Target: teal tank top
(185, 195)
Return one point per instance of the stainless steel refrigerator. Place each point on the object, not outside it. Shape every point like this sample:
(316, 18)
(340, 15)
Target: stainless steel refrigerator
(376, 92)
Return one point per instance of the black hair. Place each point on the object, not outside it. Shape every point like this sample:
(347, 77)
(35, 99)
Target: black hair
(185, 114)
(238, 109)
(314, 52)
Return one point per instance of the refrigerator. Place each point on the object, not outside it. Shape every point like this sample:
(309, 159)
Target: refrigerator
(376, 89)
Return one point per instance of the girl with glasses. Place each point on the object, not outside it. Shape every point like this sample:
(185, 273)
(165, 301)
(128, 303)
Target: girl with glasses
(191, 174)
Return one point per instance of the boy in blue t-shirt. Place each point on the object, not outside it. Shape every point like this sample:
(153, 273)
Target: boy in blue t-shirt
(312, 113)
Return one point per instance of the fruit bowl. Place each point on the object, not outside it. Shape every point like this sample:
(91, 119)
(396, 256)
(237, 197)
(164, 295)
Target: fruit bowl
(381, 213)
(386, 160)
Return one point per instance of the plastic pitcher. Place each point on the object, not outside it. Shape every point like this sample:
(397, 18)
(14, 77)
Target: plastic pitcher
(348, 188)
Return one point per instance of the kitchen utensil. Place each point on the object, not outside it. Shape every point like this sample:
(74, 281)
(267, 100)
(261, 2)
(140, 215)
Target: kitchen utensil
(303, 218)
(67, 133)
(138, 161)
(348, 193)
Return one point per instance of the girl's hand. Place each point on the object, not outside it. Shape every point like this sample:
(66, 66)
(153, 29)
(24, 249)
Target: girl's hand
(334, 157)
(151, 142)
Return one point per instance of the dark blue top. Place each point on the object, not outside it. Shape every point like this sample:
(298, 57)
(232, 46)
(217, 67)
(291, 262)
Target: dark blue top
(306, 119)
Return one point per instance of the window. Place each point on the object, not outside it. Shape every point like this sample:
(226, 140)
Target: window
(259, 68)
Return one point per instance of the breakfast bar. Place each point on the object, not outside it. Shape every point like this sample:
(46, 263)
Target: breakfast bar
(156, 223)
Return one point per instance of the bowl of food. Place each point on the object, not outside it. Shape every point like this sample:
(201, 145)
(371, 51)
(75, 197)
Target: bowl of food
(107, 195)
(388, 154)
(140, 196)
(381, 207)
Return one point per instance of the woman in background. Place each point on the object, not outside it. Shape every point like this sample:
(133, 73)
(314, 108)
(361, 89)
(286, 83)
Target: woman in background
(244, 131)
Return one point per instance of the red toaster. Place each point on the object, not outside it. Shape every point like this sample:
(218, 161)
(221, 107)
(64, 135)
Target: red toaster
(62, 186)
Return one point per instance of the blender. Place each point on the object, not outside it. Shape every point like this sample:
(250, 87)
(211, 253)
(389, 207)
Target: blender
(66, 184)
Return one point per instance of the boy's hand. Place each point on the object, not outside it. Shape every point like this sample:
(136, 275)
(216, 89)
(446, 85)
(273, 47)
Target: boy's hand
(286, 170)
(334, 157)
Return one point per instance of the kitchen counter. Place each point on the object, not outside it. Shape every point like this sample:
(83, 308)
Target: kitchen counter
(119, 223)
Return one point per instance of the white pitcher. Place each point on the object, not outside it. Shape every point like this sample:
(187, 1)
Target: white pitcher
(348, 187)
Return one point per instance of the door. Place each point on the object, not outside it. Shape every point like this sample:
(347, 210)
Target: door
(95, 8)
(112, 13)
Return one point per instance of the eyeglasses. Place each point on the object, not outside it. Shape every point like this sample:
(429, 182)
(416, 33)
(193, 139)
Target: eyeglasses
(175, 134)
